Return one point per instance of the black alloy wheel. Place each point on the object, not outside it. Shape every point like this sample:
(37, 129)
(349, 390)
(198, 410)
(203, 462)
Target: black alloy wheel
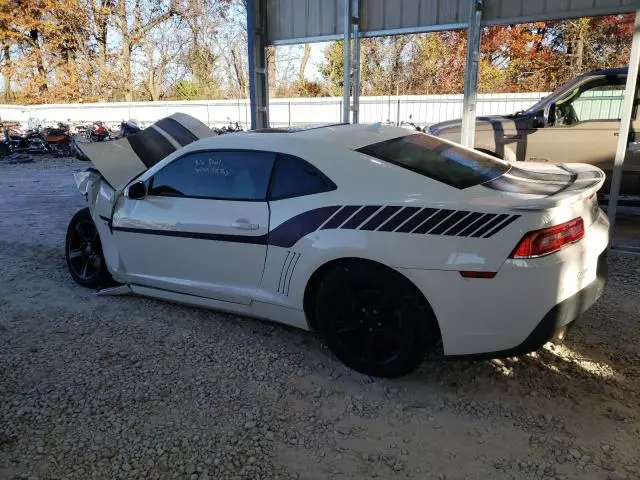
(374, 321)
(83, 248)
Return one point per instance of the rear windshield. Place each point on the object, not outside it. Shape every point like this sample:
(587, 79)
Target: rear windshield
(438, 160)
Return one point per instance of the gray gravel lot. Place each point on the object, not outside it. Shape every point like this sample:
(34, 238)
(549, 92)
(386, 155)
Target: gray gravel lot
(123, 387)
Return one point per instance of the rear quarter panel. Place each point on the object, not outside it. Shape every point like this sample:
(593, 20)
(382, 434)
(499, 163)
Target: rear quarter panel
(290, 265)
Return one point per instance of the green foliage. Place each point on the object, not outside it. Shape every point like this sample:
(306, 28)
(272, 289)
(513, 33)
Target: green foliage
(187, 90)
(332, 69)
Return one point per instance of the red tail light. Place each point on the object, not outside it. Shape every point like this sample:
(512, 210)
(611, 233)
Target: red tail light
(549, 240)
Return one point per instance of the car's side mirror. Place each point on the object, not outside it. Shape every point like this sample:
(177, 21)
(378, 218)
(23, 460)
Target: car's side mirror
(137, 191)
(549, 115)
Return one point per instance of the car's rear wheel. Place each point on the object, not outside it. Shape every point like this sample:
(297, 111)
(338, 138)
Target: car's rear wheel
(83, 249)
(374, 320)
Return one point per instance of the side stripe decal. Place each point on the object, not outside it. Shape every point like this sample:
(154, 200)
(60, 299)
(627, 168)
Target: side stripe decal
(358, 219)
(251, 239)
(410, 220)
(286, 273)
(433, 221)
(379, 217)
(340, 217)
(288, 233)
(416, 220)
(402, 216)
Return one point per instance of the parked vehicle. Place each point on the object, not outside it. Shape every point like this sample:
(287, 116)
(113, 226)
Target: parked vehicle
(19, 139)
(98, 132)
(129, 127)
(58, 140)
(579, 122)
(233, 127)
(456, 250)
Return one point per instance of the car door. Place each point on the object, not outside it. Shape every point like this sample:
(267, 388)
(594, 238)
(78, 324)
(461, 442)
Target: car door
(586, 125)
(202, 227)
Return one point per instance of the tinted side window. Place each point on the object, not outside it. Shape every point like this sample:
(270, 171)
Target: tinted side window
(226, 175)
(293, 177)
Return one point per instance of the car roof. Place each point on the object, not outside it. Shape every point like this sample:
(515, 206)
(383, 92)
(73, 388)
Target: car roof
(346, 136)
(607, 72)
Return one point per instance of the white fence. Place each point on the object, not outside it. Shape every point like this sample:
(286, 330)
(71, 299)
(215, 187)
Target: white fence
(423, 110)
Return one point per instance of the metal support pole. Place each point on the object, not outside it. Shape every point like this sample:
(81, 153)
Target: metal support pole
(258, 81)
(346, 90)
(625, 124)
(356, 61)
(471, 74)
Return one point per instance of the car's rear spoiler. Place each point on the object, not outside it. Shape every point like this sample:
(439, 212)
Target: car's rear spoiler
(119, 161)
(543, 186)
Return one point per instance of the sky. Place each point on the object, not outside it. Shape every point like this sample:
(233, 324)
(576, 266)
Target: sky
(293, 54)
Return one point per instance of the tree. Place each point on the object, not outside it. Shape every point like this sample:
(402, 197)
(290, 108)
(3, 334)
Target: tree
(134, 22)
(110, 50)
(332, 68)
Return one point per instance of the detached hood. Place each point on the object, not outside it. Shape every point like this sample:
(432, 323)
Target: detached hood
(119, 161)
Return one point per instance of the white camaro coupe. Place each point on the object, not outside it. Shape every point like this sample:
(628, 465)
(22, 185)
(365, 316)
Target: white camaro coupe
(391, 244)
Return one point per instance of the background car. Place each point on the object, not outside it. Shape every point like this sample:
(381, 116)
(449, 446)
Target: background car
(579, 122)
(391, 244)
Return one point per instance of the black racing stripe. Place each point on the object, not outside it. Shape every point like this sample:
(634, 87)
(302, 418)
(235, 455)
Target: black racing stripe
(150, 146)
(398, 219)
(433, 221)
(416, 220)
(448, 223)
(382, 216)
(255, 239)
(283, 267)
(489, 225)
(340, 217)
(364, 213)
(289, 232)
(286, 275)
(291, 274)
(463, 224)
(477, 224)
(502, 226)
(178, 132)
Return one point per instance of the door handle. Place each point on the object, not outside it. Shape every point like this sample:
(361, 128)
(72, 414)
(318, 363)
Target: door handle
(512, 137)
(245, 225)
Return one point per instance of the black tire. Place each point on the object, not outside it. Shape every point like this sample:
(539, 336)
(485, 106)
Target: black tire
(83, 251)
(374, 320)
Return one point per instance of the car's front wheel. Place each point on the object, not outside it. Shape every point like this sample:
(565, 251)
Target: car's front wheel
(374, 320)
(83, 250)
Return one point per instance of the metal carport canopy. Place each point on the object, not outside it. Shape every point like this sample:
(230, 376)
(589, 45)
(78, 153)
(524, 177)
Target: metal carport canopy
(279, 22)
(301, 21)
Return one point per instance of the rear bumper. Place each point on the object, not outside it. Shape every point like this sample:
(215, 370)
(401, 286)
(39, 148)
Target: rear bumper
(520, 308)
(557, 321)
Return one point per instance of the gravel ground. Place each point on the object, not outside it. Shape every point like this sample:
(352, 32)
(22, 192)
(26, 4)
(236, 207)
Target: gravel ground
(123, 387)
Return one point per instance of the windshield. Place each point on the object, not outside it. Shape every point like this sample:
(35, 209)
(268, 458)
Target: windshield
(558, 93)
(439, 160)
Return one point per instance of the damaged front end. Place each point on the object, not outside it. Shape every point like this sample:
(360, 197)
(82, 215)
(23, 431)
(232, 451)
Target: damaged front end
(116, 163)
(101, 199)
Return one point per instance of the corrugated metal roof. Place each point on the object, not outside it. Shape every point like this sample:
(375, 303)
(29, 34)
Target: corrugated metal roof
(296, 21)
